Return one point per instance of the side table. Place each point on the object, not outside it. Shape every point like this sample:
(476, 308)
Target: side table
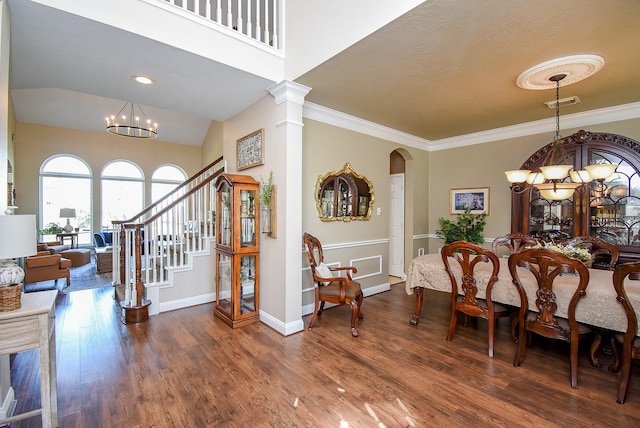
(30, 327)
(104, 259)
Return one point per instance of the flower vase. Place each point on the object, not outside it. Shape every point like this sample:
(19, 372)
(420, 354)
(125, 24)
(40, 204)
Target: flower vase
(265, 219)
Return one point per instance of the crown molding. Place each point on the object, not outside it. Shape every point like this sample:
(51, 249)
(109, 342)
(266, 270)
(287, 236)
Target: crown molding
(353, 123)
(575, 120)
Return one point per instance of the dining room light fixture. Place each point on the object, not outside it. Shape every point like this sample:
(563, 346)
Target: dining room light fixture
(135, 125)
(550, 179)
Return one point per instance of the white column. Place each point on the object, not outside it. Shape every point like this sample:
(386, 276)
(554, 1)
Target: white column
(289, 99)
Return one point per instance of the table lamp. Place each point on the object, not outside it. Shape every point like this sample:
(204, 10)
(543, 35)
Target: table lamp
(17, 239)
(68, 213)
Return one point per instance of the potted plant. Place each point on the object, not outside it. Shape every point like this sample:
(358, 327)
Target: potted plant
(467, 227)
(51, 229)
(265, 194)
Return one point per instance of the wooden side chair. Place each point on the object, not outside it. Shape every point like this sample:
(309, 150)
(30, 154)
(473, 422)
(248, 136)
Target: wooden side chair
(605, 255)
(547, 266)
(464, 290)
(513, 242)
(332, 289)
(629, 340)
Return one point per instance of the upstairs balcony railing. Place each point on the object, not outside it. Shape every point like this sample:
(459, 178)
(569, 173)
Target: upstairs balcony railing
(161, 237)
(259, 20)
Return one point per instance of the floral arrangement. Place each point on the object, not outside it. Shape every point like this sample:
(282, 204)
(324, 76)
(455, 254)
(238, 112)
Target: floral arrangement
(574, 251)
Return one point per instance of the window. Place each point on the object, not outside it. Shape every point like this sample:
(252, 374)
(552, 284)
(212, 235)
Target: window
(165, 179)
(61, 188)
(122, 184)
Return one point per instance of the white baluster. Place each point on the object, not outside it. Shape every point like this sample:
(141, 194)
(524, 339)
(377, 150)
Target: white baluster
(218, 11)
(239, 20)
(207, 9)
(229, 15)
(274, 31)
(249, 25)
(258, 19)
(266, 21)
(196, 7)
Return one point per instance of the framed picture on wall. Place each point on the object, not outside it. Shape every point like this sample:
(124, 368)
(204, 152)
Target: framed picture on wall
(250, 150)
(475, 199)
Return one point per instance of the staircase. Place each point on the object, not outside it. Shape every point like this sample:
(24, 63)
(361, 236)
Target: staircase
(165, 236)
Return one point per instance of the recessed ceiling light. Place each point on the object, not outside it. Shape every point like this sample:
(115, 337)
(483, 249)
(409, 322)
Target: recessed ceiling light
(575, 67)
(145, 80)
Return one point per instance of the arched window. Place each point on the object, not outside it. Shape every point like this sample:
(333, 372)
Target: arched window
(165, 179)
(65, 182)
(122, 188)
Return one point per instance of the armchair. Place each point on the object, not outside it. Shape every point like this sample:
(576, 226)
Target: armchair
(45, 266)
(336, 290)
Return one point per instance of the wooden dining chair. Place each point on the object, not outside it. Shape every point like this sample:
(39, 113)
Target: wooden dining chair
(333, 289)
(547, 266)
(513, 242)
(629, 340)
(465, 296)
(605, 255)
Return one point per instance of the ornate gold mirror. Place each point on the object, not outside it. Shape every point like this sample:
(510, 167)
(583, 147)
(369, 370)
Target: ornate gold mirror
(344, 195)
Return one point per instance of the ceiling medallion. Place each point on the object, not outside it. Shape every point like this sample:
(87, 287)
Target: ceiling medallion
(574, 67)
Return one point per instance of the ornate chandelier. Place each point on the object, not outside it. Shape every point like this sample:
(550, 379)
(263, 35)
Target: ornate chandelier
(132, 126)
(550, 179)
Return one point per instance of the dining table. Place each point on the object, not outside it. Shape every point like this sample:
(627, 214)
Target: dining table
(598, 308)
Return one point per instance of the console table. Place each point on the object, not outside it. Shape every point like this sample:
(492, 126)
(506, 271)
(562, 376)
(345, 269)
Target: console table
(30, 327)
(72, 235)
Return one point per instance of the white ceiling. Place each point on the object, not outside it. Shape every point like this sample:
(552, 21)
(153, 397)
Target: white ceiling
(446, 68)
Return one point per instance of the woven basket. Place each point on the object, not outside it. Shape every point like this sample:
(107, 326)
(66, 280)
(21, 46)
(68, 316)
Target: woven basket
(10, 295)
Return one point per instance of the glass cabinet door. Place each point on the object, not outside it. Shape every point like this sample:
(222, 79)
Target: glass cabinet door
(247, 284)
(224, 284)
(226, 205)
(247, 218)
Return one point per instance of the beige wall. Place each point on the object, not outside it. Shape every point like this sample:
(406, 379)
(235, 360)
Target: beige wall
(212, 144)
(36, 143)
(263, 115)
(326, 149)
(483, 165)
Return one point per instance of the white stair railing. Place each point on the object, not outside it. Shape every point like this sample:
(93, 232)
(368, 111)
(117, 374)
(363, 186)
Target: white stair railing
(256, 19)
(162, 236)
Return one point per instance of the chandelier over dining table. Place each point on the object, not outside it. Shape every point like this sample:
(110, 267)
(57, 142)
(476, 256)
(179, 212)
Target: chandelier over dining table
(550, 179)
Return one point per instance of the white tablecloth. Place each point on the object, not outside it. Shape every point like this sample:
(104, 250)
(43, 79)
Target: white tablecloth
(598, 307)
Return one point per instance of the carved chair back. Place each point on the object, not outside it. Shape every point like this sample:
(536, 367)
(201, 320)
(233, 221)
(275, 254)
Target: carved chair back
(599, 249)
(630, 341)
(513, 242)
(547, 266)
(465, 297)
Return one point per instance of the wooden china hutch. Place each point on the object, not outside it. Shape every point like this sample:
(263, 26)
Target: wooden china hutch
(237, 250)
(609, 210)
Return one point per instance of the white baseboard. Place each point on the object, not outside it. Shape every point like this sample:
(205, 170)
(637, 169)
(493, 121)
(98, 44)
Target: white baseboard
(279, 326)
(186, 302)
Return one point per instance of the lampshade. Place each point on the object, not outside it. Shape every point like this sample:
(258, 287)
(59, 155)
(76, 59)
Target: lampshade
(601, 171)
(557, 191)
(517, 175)
(17, 239)
(17, 236)
(580, 176)
(67, 213)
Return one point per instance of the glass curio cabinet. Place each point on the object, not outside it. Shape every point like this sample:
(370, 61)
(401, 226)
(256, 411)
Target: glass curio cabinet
(608, 209)
(237, 250)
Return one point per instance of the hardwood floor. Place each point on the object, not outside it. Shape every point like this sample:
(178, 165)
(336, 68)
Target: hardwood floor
(187, 368)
